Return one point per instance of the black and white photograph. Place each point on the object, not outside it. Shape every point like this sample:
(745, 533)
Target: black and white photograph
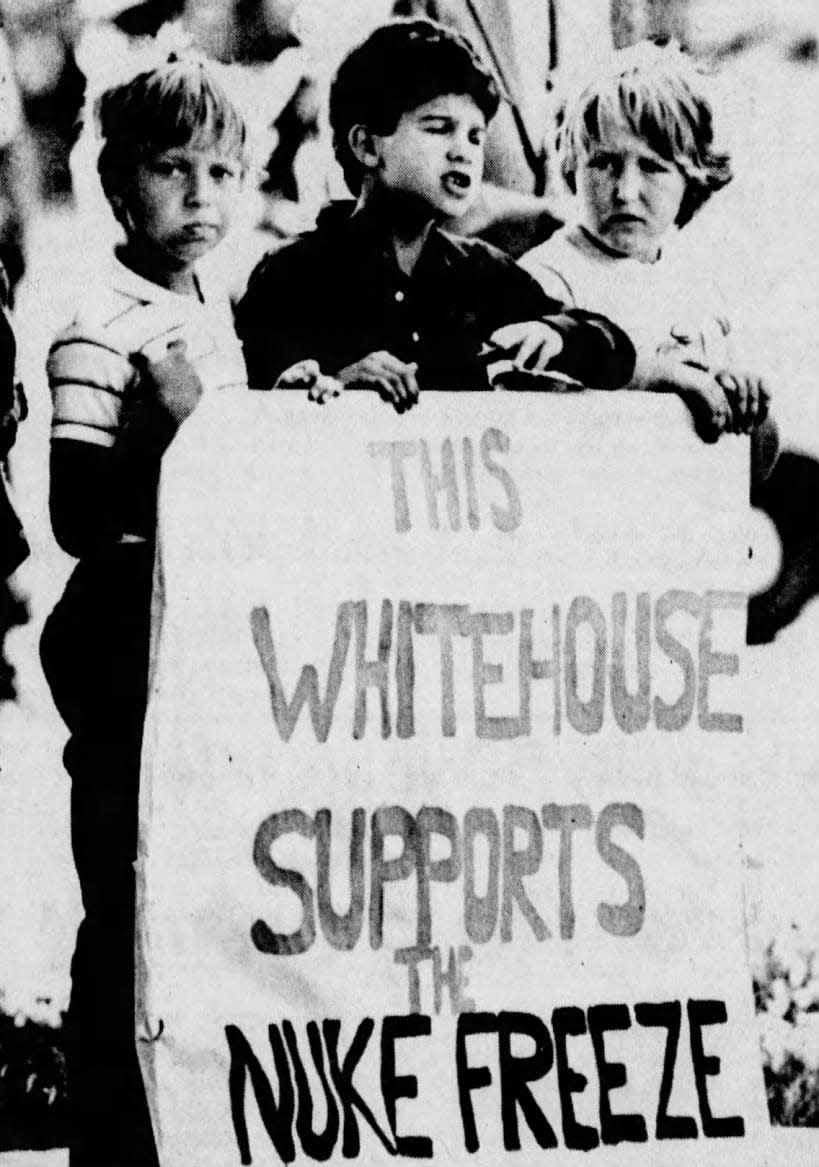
(409, 559)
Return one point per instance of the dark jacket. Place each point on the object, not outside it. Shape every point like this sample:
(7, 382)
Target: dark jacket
(338, 294)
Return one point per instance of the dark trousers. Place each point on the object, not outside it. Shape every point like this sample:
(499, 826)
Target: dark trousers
(95, 656)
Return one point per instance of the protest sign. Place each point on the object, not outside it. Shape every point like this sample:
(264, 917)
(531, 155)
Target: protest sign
(438, 826)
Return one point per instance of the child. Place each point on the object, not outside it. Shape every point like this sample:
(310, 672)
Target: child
(378, 294)
(637, 151)
(145, 344)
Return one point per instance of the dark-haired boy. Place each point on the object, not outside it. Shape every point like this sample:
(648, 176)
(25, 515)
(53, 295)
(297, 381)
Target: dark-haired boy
(378, 294)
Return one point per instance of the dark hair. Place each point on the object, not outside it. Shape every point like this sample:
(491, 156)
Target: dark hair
(169, 106)
(401, 65)
(656, 94)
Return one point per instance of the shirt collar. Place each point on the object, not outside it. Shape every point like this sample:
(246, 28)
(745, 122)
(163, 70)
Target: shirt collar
(364, 228)
(145, 291)
(585, 241)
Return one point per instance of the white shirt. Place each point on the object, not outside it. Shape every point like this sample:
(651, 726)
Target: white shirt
(670, 302)
(90, 370)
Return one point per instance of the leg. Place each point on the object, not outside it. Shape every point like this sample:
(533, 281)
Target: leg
(95, 653)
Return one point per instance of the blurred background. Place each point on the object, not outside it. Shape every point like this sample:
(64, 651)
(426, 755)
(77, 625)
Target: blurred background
(764, 232)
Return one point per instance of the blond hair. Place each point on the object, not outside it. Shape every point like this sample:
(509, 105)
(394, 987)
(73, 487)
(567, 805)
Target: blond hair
(657, 94)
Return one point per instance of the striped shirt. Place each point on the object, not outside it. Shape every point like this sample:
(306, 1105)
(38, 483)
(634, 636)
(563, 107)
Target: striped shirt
(93, 381)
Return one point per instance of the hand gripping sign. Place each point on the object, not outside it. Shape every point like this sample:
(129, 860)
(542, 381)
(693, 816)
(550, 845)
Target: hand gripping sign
(438, 849)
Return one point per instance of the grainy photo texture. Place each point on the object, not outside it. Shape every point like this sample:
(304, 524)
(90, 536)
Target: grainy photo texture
(409, 549)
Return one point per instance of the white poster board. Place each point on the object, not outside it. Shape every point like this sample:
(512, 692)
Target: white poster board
(438, 828)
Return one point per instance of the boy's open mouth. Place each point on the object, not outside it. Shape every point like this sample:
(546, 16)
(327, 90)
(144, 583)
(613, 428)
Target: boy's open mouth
(456, 182)
(197, 231)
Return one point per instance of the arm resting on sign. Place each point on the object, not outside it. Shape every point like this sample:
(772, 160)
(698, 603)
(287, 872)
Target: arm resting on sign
(595, 351)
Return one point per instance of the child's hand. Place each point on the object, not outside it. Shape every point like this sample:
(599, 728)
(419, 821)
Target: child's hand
(171, 381)
(748, 396)
(393, 380)
(532, 345)
(698, 388)
(307, 375)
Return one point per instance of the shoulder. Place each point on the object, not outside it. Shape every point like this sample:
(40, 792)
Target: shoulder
(314, 246)
(88, 350)
(100, 306)
(92, 352)
(292, 264)
(553, 282)
(470, 246)
(568, 266)
(562, 249)
(289, 254)
(88, 375)
(490, 277)
(475, 255)
(687, 258)
(121, 312)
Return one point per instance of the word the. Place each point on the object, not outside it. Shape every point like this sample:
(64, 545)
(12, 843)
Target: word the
(451, 977)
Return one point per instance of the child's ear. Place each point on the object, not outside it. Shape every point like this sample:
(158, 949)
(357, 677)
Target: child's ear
(364, 145)
(120, 209)
(116, 200)
(122, 213)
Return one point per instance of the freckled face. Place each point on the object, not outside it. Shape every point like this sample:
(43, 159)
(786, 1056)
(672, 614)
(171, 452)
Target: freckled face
(181, 203)
(629, 196)
(435, 155)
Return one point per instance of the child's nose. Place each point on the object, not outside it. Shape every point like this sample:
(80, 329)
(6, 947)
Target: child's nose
(460, 146)
(628, 182)
(199, 187)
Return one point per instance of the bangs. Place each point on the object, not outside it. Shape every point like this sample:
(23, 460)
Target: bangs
(664, 116)
(657, 95)
(176, 105)
(402, 65)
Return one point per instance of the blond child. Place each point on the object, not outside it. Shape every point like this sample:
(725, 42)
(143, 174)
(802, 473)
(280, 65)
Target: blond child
(637, 151)
(147, 340)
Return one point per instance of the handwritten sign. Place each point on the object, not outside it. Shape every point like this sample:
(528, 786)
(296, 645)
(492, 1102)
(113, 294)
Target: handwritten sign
(438, 850)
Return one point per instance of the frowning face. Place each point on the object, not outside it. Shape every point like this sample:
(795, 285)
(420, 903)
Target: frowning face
(629, 196)
(180, 204)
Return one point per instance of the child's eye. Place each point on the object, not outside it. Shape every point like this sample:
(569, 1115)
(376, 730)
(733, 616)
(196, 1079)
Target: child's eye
(654, 166)
(221, 172)
(166, 167)
(437, 126)
(602, 161)
(476, 137)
